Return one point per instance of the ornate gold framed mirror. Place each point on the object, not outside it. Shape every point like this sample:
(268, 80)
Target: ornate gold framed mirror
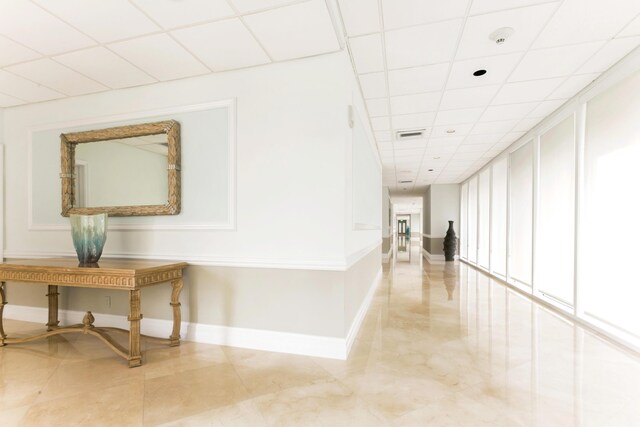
(129, 170)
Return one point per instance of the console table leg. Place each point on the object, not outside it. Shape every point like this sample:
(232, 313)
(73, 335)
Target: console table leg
(53, 307)
(176, 286)
(3, 302)
(135, 358)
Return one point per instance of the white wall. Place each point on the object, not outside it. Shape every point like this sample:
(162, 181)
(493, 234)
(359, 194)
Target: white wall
(289, 146)
(363, 225)
(291, 261)
(445, 207)
(386, 213)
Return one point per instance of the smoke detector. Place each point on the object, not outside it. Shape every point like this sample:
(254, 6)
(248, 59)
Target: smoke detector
(501, 35)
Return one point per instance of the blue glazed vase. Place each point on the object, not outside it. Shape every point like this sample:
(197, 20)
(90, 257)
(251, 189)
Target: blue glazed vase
(89, 233)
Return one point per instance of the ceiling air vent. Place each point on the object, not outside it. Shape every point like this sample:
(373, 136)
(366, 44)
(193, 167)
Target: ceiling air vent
(405, 182)
(401, 135)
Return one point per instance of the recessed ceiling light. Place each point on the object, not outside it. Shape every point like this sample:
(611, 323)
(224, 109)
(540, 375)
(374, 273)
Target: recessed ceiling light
(430, 170)
(451, 131)
(479, 73)
(436, 158)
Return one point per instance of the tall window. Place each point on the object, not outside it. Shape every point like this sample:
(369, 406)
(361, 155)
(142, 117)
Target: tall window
(521, 214)
(484, 203)
(499, 171)
(556, 213)
(611, 216)
(473, 220)
(464, 214)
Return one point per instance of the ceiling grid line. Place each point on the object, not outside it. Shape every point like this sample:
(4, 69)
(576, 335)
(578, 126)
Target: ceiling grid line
(506, 81)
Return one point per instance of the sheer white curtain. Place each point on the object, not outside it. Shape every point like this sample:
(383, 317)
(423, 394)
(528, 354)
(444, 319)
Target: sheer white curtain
(484, 204)
(499, 171)
(609, 289)
(521, 214)
(464, 213)
(555, 222)
(472, 219)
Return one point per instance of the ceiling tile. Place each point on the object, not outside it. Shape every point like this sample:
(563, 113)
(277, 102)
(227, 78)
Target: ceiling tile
(403, 13)
(507, 112)
(160, 56)
(412, 152)
(578, 21)
(378, 107)
(373, 85)
(9, 101)
(245, 6)
(419, 103)
(105, 67)
(360, 16)
(553, 62)
(510, 138)
(460, 131)
(498, 69)
(380, 123)
(382, 136)
(418, 79)
(485, 6)
(468, 97)
(484, 139)
(58, 77)
(12, 52)
(526, 124)
(454, 117)
(172, 14)
(546, 107)
(52, 35)
(105, 21)
(573, 85)
(411, 143)
(474, 148)
(409, 121)
(222, 45)
(20, 88)
(526, 22)
(367, 53)
(296, 31)
(632, 29)
(465, 156)
(422, 45)
(610, 53)
(499, 127)
(534, 90)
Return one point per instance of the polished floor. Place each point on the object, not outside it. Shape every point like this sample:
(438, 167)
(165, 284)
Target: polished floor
(442, 345)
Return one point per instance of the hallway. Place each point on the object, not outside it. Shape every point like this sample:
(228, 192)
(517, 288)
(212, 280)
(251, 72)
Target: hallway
(442, 345)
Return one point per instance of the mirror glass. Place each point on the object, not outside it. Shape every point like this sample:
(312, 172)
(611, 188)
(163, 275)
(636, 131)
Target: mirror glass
(123, 171)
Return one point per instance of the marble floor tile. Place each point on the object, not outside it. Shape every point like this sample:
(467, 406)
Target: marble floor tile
(441, 345)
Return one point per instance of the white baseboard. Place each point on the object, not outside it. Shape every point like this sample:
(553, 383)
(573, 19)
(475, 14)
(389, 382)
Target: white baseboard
(434, 258)
(257, 339)
(387, 257)
(279, 342)
(362, 312)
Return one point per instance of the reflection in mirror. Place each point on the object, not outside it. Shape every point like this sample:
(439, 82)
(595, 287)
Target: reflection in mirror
(126, 170)
(122, 172)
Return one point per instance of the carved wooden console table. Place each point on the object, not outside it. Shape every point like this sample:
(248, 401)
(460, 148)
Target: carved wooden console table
(128, 275)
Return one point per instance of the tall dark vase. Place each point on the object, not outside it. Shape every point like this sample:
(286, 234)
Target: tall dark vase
(450, 243)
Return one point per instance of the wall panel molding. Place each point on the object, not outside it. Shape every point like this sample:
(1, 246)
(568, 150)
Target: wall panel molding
(229, 225)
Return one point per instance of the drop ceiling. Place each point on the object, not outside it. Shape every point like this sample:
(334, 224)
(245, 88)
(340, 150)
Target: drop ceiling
(414, 60)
